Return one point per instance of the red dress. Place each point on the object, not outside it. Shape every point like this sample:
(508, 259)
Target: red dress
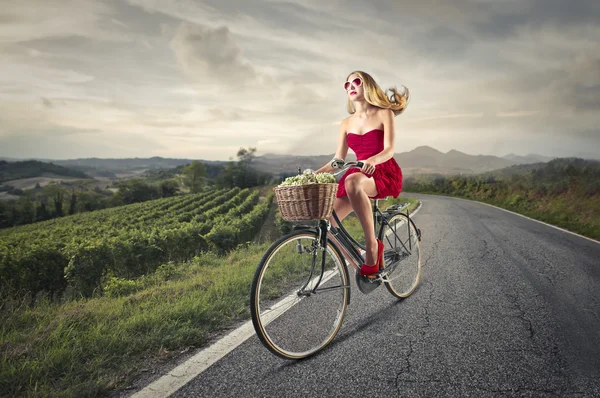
(387, 175)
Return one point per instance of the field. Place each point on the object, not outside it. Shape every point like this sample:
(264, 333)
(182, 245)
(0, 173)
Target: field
(79, 255)
(29, 183)
(7, 196)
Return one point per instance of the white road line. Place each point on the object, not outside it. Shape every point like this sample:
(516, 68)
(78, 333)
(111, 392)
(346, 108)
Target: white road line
(191, 368)
(184, 373)
(532, 219)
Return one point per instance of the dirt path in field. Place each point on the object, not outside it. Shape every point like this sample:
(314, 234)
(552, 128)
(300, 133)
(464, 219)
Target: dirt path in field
(268, 232)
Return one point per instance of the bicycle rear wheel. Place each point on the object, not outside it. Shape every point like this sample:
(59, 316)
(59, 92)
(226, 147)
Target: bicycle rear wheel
(292, 318)
(402, 255)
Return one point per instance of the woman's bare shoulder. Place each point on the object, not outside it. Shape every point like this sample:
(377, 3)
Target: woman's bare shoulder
(344, 123)
(383, 113)
(347, 119)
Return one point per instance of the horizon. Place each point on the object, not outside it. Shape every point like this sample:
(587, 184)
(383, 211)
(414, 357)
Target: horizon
(188, 79)
(597, 157)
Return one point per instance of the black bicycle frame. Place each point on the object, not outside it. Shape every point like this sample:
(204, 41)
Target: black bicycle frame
(347, 241)
(379, 220)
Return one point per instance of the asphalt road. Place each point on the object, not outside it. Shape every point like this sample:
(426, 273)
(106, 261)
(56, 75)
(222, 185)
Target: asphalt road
(507, 307)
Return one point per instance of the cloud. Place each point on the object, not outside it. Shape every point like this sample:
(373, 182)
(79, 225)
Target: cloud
(188, 74)
(65, 143)
(47, 103)
(450, 116)
(207, 54)
(580, 87)
(23, 21)
(517, 114)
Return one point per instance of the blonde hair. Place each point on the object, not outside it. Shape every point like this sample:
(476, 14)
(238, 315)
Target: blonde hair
(375, 96)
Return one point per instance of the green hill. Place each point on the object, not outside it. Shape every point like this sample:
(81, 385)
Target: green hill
(564, 192)
(10, 171)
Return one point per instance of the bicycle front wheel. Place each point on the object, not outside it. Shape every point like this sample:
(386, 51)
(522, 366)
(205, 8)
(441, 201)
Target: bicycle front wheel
(402, 255)
(298, 305)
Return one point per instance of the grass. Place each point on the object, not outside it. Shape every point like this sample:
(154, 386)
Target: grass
(567, 210)
(352, 224)
(90, 347)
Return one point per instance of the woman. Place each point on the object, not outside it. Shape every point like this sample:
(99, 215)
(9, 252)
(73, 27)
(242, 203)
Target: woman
(369, 132)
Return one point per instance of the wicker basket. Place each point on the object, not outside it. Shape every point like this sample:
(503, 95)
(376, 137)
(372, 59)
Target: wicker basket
(306, 202)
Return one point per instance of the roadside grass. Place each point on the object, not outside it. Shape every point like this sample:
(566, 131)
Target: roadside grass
(352, 224)
(568, 210)
(90, 347)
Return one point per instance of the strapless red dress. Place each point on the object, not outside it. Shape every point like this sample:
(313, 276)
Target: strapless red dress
(387, 175)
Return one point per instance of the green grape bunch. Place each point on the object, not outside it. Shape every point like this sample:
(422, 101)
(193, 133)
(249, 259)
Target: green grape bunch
(309, 177)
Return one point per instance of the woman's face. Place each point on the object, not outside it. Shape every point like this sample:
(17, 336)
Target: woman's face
(354, 87)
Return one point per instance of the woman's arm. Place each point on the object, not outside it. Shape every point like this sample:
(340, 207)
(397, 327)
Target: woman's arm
(388, 140)
(342, 150)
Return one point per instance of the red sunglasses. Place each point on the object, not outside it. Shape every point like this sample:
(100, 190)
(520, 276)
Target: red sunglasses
(357, 82)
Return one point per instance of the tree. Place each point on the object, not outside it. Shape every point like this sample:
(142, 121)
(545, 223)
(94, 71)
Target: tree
(73, 203)
(3, 217)
(247, 177)
(134, 191)
(12, 216)
(42, 213)
(226, 178)
(246, 156)
(57, 195)
(168, 188)
(25, 210)
(194, 175)
(88, 201)
(242, 174)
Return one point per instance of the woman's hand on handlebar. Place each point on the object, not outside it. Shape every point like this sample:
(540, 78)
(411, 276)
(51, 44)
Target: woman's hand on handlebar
(341, 165)
(368, 166)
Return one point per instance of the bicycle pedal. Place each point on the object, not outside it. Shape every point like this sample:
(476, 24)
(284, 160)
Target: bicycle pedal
(376, 275)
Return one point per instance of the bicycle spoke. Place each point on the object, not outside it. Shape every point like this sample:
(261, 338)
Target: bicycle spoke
(402, 256)
(299, 306)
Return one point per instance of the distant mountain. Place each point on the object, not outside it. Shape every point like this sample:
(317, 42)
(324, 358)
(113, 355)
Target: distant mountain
(423, 159)
(107, 167)
(530, 158)
(588, 155)
(558, 164)
(276, 164)
(10, 171)
(125, 164)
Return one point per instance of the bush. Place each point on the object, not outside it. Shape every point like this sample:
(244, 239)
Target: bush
(167, 271)
(117, 287)
(223, 237)
(284, 227)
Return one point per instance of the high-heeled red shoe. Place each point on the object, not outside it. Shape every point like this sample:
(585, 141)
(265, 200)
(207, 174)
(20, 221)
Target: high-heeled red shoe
(366, 270)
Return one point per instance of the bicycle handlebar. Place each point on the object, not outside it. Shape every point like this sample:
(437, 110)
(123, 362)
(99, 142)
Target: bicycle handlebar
(340, 164)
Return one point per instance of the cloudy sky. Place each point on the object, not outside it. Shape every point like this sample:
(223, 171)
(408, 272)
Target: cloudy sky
(202, 78)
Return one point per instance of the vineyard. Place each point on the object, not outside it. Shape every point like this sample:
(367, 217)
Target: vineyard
(81, 252)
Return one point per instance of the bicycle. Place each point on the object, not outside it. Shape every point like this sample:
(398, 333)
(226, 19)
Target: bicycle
(298, 305)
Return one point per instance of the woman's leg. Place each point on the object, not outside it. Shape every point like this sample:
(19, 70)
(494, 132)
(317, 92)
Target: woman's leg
(342, 208)
(359, 188)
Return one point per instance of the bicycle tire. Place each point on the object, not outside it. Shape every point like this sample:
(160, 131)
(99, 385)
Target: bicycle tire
(274, 320)
(402, 255)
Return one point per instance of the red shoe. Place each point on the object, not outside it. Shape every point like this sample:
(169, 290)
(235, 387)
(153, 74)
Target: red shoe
(366, 270)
